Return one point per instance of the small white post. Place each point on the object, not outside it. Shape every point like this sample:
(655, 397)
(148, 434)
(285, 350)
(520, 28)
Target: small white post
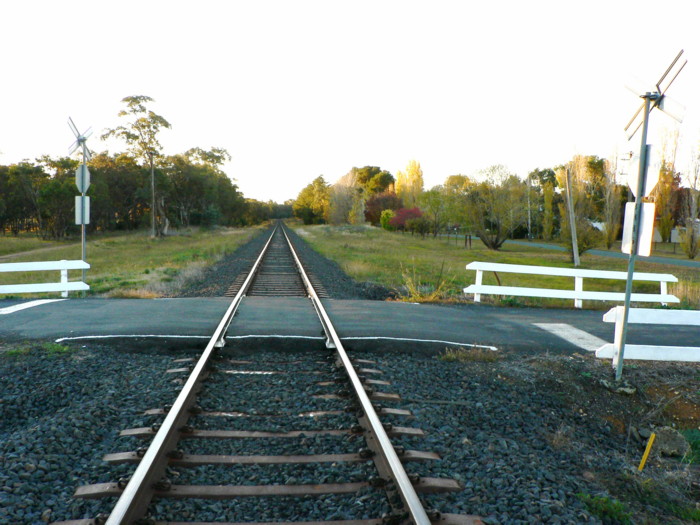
(578, 286)
(617, 344)
(64, 280)
(479, 277)
(664, 290)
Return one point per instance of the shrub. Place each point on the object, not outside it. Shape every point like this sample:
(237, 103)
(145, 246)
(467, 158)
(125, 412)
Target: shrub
(398, 221)
(385, 219)
(418, 225)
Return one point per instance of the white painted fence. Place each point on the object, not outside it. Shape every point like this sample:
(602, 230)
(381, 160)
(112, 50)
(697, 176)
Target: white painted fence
(650, 352)
(64, 285)
(577, 294)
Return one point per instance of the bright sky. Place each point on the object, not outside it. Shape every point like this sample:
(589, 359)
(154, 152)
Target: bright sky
(296, 89)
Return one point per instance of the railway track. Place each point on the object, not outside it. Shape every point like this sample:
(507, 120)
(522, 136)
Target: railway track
(332, 409)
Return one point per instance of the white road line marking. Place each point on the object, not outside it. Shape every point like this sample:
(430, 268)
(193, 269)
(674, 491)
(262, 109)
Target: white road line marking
(573, 335)
(412, 339)
(24, 306)
(274, 336)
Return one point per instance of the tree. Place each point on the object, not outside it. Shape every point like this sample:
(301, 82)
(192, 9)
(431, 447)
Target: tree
(541, 177)
(666, 187)
(434, 206)
(27, 182)
(141, 135)
(119, 192)
(357, 212)
(456, 196)
(57, 196)
(194, 181)
(312, 203)
(497, 206)
(613, 205)
(582, 171)
(548, 211)
(341, 198)
(373, 179)
(409, 185)
(690, 236)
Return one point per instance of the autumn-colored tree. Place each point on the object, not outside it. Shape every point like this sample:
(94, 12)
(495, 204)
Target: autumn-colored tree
(378, 203)
(398, 221)
(409, 184)
(612, 204)
(667, 186)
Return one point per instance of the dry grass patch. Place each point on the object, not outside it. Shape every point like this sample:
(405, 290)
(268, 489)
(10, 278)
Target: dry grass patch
(469, 355)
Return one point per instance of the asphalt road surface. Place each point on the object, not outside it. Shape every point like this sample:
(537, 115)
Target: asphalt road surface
(177, 321)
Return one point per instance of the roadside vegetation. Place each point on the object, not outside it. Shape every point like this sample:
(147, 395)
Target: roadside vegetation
(433, 268)
(129, 190)
(132, 264)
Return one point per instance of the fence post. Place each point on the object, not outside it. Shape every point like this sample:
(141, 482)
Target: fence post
(479, 276)
(64, 279)
(578, 286)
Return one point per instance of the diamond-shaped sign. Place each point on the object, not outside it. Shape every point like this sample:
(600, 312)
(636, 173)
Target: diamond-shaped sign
(653, 169)
(82, 178)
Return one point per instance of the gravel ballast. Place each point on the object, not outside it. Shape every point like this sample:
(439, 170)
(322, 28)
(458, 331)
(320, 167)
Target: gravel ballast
(527, 436)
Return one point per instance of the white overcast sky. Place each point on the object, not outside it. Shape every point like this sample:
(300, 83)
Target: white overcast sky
(297, 89)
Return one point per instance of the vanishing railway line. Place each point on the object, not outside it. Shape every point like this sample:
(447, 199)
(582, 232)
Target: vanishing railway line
(350, 417)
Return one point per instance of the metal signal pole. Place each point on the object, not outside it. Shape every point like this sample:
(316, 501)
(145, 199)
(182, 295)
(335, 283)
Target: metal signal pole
(641, 180)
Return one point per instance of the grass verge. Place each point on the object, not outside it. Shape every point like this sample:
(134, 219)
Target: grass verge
(134, 264)
(434, 268)
(46, 348)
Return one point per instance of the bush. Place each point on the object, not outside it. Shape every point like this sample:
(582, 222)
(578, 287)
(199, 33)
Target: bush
(419, 225)
(385, 219)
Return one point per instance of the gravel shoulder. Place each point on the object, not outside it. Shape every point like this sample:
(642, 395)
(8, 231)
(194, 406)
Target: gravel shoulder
(528, 438)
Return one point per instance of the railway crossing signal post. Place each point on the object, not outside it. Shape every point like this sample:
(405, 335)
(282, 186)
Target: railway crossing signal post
(82, 181)
(633, 214)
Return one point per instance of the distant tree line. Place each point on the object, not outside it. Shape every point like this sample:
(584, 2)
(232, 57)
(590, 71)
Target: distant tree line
(192, 189)
(495, 205)
(39, 196)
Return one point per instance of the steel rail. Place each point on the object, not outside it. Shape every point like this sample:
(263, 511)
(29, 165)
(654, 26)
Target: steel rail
(136, 496)
(406, 491)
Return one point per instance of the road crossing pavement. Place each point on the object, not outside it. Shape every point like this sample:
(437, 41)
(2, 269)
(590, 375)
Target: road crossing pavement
(374, 323)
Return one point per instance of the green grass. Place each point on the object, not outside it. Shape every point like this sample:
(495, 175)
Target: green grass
(607, 509)
(133, 262)
(693, 437)
(376, 255)
(9, 244)
(47, 348)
